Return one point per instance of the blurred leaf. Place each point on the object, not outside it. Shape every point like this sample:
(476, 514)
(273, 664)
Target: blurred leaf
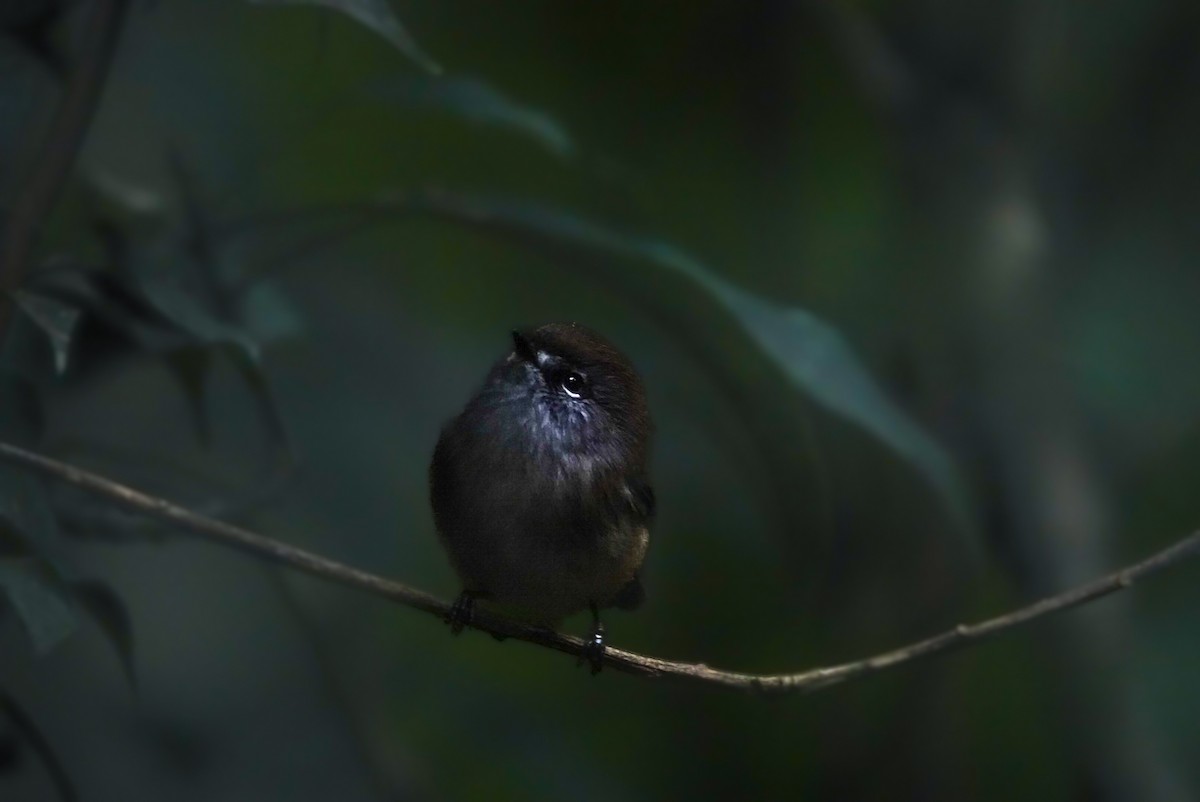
(816, 357)
(184, 276)
(812, 355)
(268, 313)
(187, 314)
(31, 578)
(268, 406)
(12, 542)
(25, 352)
(244, 350)
(25, 507)
(54, 318)
(113, 192)
(21, 413)
(191, 367)
(218, 310)
(10, 753)
(115, 307)
(197, 244)
(44, 611)
(25, 725)
(109, 612)
(376, 15)
(16, 13)
(24, 83)
(174, 297)
(150, 308)
(31, 23)
(478, 102)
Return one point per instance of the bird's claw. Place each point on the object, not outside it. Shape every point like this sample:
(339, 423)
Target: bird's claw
(593, 649)
(462, 612)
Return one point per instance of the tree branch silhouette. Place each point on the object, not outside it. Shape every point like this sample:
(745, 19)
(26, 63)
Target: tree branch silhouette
(629, 662)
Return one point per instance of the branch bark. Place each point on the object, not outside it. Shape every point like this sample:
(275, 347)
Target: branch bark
(75, 110)
(629, 662)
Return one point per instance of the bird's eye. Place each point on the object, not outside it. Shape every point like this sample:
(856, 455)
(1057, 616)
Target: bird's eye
(573, 385)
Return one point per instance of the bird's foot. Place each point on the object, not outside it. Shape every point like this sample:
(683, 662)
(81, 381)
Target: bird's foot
(462, 612)
(593, 648)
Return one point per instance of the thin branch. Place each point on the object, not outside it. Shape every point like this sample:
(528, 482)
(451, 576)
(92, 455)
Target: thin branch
(75, 110)
(628, 662)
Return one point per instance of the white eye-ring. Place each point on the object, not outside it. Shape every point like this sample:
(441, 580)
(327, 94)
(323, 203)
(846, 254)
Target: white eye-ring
(572, 385)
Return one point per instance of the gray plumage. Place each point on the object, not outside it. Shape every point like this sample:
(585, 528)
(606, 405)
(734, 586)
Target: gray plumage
(539, 486)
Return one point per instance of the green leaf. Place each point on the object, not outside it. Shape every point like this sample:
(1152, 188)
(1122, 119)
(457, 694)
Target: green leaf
(114, 194)
(25, 353)
(25, 507)
(31, 577)
(818, 359)
(187, 314)
(176, 302)
(376, 15)
(192, 367)
(25, 84)
(118, 306)
(812, 356)
(21, 411)
(54, 319)
(18, 13)
(110, 614)
(24, 724)
(479, 103)
(44, 611)
(12, 542)
(179, 280)
(269, 412)
(268, 314)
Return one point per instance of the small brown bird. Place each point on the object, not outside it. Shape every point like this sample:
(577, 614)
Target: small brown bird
(539, 487)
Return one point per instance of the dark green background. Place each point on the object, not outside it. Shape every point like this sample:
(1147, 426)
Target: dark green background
(995, 204)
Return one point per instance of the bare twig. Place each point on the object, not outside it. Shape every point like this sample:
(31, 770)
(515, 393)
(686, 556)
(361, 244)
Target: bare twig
(628, 662)
(75, 110)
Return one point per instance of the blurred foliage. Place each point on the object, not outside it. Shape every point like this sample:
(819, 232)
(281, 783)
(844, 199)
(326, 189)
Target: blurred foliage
(910, 284)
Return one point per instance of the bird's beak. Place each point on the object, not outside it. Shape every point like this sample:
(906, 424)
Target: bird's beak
(524, 347)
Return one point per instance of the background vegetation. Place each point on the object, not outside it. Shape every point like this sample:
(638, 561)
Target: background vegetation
(912, 287)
